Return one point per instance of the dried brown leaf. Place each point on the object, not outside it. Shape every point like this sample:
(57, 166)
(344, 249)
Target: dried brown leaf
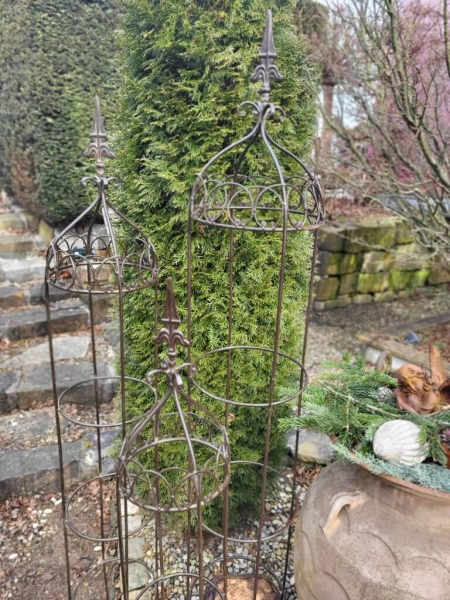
(436, 365)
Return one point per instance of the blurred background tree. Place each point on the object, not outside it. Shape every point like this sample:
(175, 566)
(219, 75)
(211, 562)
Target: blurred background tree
(55, 55)
(389, 61)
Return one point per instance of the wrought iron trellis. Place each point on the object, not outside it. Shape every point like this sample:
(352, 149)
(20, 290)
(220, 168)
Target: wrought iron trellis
(100, 255)
(281, 198)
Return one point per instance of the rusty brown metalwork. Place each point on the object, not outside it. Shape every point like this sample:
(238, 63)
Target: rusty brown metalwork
(190, 424)
(267, 71)
(101, 255)
(111, 255)
(283, 196)
(98, 146)
(281, 200)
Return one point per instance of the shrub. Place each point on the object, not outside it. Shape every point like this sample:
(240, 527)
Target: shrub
(186, 68)
(55, 55)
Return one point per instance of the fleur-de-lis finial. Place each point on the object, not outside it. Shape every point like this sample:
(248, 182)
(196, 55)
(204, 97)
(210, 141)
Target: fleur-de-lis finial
(170, 333)
(98, 146)
(267, 70)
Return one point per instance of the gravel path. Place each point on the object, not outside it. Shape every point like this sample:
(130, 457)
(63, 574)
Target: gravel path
(335, 332)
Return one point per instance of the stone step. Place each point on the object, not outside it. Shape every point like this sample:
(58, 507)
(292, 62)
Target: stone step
(16, 218)
(14, 270)
(65, 347)
(37, 469)
(31, 385)
(35, 386)
(36, 294)
(12, 221)
(18, 296)
(12, 296)
(29, 457)
(27, 429)
(20, 243)
(32, 322)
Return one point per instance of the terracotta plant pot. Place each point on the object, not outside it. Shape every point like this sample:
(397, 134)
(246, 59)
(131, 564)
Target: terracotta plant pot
(360, 536)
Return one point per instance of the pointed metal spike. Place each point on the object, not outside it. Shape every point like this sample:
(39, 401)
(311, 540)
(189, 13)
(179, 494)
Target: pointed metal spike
(98, 129)
(268, 45)
(170, 312)
(98, 146)
(267, 71)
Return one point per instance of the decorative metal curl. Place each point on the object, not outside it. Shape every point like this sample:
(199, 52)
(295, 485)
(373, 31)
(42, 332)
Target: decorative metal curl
(172, 489)
(170, 334)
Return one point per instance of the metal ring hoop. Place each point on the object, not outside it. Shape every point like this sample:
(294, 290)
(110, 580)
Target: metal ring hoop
(181, 574)
(99, 425)
(107, 562)
(73, 528)
(277, 532)
(304, 377)
(208, 469)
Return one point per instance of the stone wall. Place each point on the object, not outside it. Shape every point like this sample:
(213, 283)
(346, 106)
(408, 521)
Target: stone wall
(362, 263)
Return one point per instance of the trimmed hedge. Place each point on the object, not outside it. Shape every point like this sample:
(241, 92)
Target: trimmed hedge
(55, 55)
(186, 67)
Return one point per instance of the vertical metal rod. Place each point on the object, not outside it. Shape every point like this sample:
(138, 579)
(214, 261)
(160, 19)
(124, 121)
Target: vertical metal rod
(159, 554)
(192, 464)
(226, 493)
(201, 572)
(123, 533)
(97, 418)
(299, 404)
(155, 328)
(159, 549)
(276, 346)
(271, 395)
(59, 434)
(188, 544)
(120, 542)
(189, 286)
(270, 406)
(189, 357)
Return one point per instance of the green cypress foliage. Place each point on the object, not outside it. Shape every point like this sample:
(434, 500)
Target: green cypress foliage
(186, 68)
(55, 55)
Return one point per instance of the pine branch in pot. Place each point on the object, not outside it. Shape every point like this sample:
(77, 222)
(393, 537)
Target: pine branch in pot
(367, 521)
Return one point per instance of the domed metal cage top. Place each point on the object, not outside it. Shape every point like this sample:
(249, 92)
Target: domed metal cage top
(256, 184)
(101, 252)
(192, 428)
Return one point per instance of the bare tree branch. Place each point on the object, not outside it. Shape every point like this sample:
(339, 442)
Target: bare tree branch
(389, 63)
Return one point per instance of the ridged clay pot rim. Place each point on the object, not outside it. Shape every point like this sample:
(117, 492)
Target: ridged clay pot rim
(410, 487)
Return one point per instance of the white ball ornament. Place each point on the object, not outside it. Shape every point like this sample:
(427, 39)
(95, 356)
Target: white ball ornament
(398, 442)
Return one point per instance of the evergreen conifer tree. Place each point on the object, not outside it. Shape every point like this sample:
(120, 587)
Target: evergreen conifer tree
(186, 67)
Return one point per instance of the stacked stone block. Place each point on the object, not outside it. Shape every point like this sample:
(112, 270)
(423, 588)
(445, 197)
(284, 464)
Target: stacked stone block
(362, 263)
